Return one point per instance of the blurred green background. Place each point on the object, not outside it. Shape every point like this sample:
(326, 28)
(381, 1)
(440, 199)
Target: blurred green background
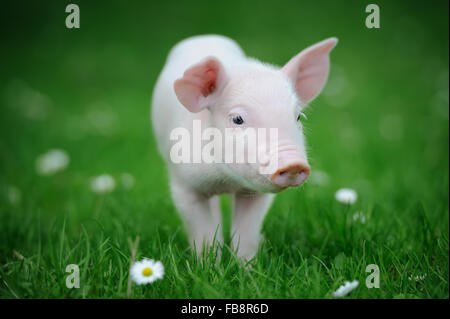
(381, 126)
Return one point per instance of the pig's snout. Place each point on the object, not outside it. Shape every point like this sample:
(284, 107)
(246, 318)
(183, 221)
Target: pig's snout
(292, 171)
(291, 175)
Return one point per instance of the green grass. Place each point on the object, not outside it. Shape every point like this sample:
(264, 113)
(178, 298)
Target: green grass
(380, 127)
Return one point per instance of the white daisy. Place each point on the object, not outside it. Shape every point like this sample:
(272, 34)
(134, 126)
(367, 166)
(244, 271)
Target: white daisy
(359, 216)
(346, 195)
(146, 271)
(52, 162)
(103, 184)
(345, 289)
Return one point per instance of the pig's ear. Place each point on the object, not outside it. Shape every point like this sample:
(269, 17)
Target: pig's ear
(309, 69)
(200, 83)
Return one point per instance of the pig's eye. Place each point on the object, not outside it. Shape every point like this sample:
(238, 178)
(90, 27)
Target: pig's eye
(237, 119)
(301, 115)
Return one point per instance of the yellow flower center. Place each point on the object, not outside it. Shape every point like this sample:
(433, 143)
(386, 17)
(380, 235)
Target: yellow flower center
(147, 272)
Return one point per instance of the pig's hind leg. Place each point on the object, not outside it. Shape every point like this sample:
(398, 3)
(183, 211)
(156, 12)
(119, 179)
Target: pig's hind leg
(200, 214)
(248, 216)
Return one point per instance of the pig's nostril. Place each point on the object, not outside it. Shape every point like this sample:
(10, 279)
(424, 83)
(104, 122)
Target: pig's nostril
(292, 175)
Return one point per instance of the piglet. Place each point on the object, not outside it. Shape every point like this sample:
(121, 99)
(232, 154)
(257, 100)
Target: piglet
(208, 88)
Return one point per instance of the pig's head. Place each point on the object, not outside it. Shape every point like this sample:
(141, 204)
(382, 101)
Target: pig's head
(256, 95)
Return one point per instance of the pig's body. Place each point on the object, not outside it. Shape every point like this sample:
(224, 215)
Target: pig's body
(202, 79)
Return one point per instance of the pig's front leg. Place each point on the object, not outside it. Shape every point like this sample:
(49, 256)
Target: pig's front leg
(249, 213)
(200, 214)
